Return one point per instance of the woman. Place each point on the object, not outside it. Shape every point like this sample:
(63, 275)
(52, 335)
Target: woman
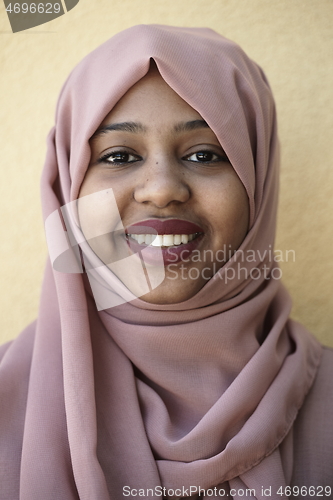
(163, 362)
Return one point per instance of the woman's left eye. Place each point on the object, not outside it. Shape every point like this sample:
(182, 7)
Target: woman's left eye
(119, 158)
(205, 157)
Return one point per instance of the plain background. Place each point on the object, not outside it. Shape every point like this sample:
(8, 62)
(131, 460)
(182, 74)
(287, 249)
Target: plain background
(291, 39)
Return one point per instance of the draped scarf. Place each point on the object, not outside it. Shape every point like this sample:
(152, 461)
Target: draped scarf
(180, 400)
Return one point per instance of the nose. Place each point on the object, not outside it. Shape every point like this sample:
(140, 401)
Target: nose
(162, 183)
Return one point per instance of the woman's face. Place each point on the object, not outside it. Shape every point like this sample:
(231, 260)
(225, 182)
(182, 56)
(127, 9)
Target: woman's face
(169, 175)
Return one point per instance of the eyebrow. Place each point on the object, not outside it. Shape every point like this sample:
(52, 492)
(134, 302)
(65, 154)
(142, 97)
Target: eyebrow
(132, 127)
(192, 125)
(135, 128)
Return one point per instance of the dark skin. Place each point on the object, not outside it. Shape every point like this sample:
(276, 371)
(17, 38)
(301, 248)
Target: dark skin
(163, 161)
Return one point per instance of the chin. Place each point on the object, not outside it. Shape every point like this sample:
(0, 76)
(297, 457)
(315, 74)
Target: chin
(173, 293)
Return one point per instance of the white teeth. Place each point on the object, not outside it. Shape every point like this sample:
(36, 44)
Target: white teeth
(165, 240)
(168, 240)
(148, 239)
(157, 241)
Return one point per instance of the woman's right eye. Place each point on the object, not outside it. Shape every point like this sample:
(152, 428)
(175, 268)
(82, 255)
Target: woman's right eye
(119, 158)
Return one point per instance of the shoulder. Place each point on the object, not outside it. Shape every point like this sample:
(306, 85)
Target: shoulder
(15, 363)
(319, 401)
(313, 430)
(16, 353)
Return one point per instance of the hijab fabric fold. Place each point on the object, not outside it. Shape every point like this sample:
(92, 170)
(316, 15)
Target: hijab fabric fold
(201, 394)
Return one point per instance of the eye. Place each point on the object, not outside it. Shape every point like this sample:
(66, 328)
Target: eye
(119, 158)
(205, 157)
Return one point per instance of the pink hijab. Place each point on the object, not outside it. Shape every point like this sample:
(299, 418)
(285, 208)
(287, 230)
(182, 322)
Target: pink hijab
(141, 397)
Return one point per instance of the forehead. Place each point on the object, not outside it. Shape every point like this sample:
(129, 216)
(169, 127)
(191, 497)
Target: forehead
(149, 100)
(152, 109)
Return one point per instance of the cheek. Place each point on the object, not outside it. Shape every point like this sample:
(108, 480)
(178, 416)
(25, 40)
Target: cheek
(230, 208)
(101, 224)
(99, 179)
(94, 181)
(99, 207)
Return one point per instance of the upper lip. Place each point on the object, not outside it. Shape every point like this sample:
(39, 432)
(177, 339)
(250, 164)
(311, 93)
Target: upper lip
(167, 226)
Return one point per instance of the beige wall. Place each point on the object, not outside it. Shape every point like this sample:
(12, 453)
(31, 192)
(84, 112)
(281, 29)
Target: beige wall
(291, 39)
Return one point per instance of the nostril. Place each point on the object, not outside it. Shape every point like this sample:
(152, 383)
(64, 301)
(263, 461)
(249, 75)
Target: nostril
(161, 190)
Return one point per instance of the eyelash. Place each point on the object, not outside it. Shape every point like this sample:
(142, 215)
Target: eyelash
(104, 158)
(219, 158)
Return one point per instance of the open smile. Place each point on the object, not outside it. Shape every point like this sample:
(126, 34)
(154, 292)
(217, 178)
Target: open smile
(175, 238)
(163, 240)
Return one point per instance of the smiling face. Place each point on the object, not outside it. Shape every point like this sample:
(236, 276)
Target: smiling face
(169, 175)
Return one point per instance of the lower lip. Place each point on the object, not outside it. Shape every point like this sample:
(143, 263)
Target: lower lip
(171, 255)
